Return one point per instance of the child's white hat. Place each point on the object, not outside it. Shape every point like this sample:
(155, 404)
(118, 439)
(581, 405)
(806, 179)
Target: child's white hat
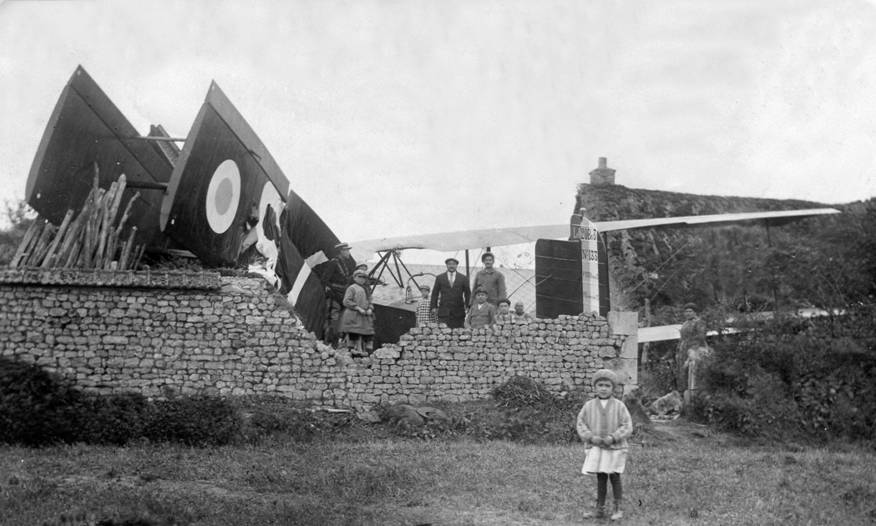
(605, 374)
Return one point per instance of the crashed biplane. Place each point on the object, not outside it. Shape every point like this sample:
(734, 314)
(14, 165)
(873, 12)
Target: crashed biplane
(218, 196)
(222, 196)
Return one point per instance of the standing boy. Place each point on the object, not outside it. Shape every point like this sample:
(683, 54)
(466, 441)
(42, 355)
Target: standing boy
(481, 314)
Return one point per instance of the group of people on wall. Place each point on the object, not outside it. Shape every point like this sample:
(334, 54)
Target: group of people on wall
(350, 311)
(451, 299)
(349, 315)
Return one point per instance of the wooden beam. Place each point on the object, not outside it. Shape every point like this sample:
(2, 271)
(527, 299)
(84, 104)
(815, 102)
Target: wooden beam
(158, 139)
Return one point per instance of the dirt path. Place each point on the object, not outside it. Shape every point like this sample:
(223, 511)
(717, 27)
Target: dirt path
(678, 430)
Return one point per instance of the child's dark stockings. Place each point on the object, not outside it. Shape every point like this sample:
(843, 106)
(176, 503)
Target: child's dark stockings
(602, 487)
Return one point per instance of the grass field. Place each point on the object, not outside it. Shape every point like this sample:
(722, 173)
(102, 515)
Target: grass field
(678, 479)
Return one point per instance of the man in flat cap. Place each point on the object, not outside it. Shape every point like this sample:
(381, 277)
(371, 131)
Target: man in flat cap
(491, 280)
(450, 295)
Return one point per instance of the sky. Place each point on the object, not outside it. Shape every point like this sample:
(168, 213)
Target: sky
(394, 117)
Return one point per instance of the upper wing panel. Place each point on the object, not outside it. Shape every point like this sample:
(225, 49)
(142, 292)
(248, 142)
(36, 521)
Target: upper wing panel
(461, 240)
(85, 129)
(629, 224)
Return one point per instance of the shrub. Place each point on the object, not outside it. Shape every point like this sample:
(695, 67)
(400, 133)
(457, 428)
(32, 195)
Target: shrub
(764, 409)
(195, 421)
(113, 419)
(527, 412)
(521, 391)
(792, 377)
(297, 425)
(657, 375)
(36, 407)
(39, 408)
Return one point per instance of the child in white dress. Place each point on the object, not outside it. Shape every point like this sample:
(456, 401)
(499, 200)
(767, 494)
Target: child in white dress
(604, 424)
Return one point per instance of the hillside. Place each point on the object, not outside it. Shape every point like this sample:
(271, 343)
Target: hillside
(817, 261)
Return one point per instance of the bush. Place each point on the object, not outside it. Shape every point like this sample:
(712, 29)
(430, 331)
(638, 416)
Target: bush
(521, 391)
(526, 412)
(795, 378)
(657, 375)
(297, 425)
(39, 408)
(195, 421)
(36, 408)
(113, 419)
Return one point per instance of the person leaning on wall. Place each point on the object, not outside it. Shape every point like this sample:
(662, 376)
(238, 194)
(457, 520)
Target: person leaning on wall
(503, 312)
(519, 314)
(481, 314)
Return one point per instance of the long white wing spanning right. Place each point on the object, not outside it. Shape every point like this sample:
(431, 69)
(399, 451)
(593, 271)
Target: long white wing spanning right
(463, 239)
(496, 237)
(629, 224)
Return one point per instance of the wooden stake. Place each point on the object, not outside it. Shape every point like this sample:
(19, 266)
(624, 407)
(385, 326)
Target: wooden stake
(42, 244)
(50, 255)
(110, 258)
(29, 236)
(122, 250)
(89, 245)
(104, 225)
(117, 234)
(140, 250)
(69, 239)
(73, 257)
(113, 232)
(126, 251)
(114, 209)
(124, 218)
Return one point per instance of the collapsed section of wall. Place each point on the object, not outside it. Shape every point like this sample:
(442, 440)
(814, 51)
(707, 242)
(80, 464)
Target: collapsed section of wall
(202, 333)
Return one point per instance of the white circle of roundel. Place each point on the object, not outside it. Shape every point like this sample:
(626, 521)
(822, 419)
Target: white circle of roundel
(270, 196)
(223, 196)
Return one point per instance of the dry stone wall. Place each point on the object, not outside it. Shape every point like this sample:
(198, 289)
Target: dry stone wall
(202, 333)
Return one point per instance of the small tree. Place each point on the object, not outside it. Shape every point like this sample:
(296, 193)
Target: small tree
(18, 218)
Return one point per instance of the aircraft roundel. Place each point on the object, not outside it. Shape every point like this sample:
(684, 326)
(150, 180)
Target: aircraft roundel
(223, 196)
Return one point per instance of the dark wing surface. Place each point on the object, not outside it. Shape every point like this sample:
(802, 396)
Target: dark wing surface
(85, 129)
(213, 198)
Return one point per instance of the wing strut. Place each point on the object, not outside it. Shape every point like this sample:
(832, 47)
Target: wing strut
(384, 257)
(397, 275)
(157, 138)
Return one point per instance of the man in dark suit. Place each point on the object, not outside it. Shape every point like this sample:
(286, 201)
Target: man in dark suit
(450, 295)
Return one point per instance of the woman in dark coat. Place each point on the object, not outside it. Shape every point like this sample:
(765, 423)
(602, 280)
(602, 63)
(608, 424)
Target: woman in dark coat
(357, 320)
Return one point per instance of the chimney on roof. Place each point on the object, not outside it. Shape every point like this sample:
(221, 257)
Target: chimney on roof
(602, 174)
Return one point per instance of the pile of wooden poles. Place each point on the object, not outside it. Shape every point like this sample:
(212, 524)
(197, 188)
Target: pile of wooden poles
(91, 241)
